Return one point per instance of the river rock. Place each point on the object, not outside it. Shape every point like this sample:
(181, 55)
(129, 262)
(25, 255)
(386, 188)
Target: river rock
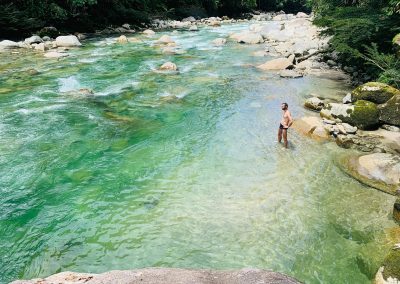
(362, 114)
(55, 54)
(347, 99)
(270, 27)
(67, 41)
(40, 47)
(219, 42)
(304, 65)
(277, 64)
(375, 92)
(9, 44)
(379, 170)
(302, 15)
(122, 39)
(391, 128)
(389, 112)
(348, 128)
(149, 32)
(189, 19)
(33, 39)
(248, 37)
(169, 66)
(311, 126)
(168, 275)
(193, 28)
(165, 39)
(314, 103)
(290, 74)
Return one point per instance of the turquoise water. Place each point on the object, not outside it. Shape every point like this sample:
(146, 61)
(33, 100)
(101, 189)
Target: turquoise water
(174, 170)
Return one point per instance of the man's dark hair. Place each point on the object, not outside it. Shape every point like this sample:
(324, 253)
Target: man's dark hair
(286, 105)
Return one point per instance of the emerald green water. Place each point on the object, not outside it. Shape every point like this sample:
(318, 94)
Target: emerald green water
(174, 170)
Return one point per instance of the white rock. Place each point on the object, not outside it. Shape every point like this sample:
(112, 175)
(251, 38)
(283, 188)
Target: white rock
(165, 39)
(347, 99)
(193, 28)
(149, 32)
(55, 54)
(122, 39)
(40, 47)
(8, 44)
(276, 64)
(302, 15)
(67, 41)
(169, 66)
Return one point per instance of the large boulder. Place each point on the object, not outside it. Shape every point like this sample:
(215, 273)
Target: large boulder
(375, 92)
(8, 44)
(149, 32)
(67, 41)
(270, 27)
(311, 126)
(33, 39)
(363, 114)
(122, 39)
(379, 170)
(314, 103)
(277, 64)
(389, 112)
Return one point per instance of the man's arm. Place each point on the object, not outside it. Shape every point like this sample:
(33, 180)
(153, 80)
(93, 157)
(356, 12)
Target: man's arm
(290, 119)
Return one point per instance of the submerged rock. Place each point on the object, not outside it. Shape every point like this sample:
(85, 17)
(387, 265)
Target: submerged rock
(168, 275)
(67, 41)
(290, 74)
(379, 170)
(389, 112)
(375, 92)
(149, 32)
(165, 39)
(55, 54)
(219, 42)
(169, 66)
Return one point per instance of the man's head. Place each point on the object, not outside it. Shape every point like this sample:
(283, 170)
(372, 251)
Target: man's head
(284, 106)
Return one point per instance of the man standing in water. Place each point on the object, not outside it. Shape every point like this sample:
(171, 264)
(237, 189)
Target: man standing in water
(286, 122)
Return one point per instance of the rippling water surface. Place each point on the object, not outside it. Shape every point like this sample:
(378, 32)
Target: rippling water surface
(173, 170)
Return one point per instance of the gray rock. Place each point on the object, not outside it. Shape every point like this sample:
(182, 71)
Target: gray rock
(33, 39)
(167, 276)
(290, 74)
(313, 103)
(189, 19)
(391, 128)
(348, 128)
(46, 38)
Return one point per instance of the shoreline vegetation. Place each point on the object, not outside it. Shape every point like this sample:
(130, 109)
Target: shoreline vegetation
(361, 39)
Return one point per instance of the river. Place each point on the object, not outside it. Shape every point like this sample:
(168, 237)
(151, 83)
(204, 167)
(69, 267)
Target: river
(174, 170)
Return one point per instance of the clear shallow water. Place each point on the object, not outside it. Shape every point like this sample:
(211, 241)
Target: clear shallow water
(174, 170)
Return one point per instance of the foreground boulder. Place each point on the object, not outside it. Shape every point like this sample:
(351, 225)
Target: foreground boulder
(375, 92)
(389, 112)
(277, 64)
(363, 114)
(67, 41)
(168, 275)
(379, 170)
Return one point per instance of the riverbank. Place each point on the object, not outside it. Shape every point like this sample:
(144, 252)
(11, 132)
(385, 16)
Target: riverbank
(192, 148)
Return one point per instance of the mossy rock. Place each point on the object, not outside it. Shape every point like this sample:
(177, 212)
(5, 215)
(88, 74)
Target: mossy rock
(389, 112)
(375, 92)
(391, 265)
(365, 115)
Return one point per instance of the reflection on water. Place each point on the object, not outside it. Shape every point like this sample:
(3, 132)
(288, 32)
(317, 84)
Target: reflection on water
(174, 170)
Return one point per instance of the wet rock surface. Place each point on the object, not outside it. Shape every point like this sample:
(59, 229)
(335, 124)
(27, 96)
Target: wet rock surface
(168, 276)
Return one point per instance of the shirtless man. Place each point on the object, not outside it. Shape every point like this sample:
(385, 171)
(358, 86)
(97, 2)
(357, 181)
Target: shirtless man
(286, 122)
